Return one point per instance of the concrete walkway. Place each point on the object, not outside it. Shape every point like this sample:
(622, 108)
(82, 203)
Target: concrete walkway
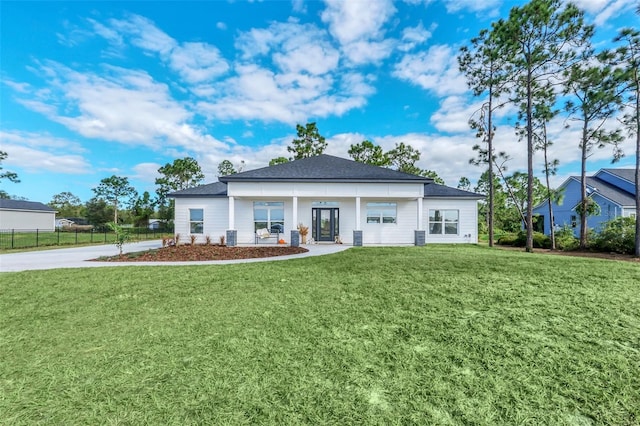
(78, 257)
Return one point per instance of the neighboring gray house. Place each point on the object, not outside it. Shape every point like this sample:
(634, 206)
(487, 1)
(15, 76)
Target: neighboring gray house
(26, 215)
(336, 198)
(613, 189)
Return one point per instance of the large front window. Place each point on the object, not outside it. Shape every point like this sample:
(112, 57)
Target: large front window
(269, 215)
(196, 221)
(381, 212)
(443, 222)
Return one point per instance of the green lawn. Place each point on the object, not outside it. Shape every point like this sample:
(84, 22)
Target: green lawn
(11, 241)
(434, 335)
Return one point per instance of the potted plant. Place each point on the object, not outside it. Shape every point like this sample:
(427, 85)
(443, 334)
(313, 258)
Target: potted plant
(304, 231)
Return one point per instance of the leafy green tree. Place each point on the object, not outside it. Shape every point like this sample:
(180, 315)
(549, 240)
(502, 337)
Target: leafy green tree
(98, 212)
(465, 184)
(368, 153)
(278, 160)
(122, 235)
(594, 98)
(183, 173)
(226, 168)
(627, 56)
(485, 70)
(115, 190)
(538, 42)
(309, 142)
(433, 175)
(10, 176)
(404, 157)
(507, 218)
(67, 204)
(143, 209)
(518, 182)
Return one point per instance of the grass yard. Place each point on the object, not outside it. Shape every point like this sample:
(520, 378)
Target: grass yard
(432, 335)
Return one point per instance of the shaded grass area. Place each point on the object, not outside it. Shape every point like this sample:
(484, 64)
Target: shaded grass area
(435, 335)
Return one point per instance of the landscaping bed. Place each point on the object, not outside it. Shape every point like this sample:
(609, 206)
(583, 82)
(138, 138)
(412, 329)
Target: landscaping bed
(203, 252)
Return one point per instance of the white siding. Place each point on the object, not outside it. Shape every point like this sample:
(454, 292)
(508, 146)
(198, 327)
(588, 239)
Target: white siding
(216, 217)
(401, 232)
(468, 220)
(324, 189)
(27, 220)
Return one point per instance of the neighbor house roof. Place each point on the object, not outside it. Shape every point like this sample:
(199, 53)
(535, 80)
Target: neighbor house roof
(434, 190)
(325, 168)
(627, 174)
(611, 192)
(216, 189)
(7, 204)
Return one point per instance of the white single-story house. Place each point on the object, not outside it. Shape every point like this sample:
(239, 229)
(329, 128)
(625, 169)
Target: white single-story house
(26, 215)
(339, 200)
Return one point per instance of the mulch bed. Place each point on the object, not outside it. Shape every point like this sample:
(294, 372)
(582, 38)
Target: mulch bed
(189, 253)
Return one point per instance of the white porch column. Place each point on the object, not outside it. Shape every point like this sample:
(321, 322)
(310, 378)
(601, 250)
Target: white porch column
(358, 214)
(232, 214)
(294, 216)
(420, 214)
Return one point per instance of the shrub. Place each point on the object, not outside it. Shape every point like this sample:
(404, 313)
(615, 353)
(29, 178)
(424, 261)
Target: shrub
(565, 240)
(222, 240)
(507, 239)
(520, 240)
(193, 239)
(616, 236)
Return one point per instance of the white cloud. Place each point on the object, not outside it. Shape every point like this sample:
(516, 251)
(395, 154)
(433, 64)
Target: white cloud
(454, 114)
(435, 70)
(414, 36)
(198, 62)
(221, 26)
(299, 6)
(146, 172)
(121, 105)
(454, 6)
(37, 153)
(359, 27)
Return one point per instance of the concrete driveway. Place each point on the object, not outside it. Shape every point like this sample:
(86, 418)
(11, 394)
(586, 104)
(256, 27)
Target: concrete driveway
(78, 257)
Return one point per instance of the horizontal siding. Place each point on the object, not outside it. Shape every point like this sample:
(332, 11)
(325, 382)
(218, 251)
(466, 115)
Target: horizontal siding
(12, 219)
(216, 217)
(324, 189)
(467, 225)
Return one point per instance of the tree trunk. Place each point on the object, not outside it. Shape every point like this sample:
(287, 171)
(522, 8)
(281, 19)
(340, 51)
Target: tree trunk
(583, 188)
(552, 234)
(529, 219)
(490, 158)
(637, 180)
(115, 213)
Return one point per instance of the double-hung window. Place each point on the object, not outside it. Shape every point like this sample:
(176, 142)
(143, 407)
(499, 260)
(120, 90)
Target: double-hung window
(196, 221)
(381, 212)
(269, 215)
(444, 222)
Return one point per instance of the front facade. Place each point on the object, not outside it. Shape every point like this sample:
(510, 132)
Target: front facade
(26, 216)
(612, 189)
(337, 199)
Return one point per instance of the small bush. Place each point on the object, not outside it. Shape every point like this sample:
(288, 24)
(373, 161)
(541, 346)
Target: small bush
(565, 240)
(508, 239)
(192, 238)
(222, 240)
(520, 240)
(616, 236)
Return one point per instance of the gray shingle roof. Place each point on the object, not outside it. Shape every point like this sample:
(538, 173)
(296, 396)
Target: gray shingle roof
(628, 174)
(325, 168)
(24, 205)
(434, 190)
(216, 189)
(613, 193)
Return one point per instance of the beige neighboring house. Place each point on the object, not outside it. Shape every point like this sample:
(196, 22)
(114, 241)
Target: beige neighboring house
(26, 216)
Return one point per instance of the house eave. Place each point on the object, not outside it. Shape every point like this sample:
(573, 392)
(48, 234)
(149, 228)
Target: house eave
(321, 180)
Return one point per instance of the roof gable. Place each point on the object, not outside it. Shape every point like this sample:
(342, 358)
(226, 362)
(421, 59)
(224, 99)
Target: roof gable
(325, 168)
(24, 205)
(626, 174)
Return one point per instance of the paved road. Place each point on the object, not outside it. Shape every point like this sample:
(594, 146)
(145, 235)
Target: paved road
(78, 257)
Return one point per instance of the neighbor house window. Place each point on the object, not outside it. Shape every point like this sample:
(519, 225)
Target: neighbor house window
(574, 221)
(381, 212)
(269, 215)
(196, 221)
(444, 222)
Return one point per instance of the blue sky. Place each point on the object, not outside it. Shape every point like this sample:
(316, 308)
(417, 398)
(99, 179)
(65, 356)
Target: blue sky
(92, 89)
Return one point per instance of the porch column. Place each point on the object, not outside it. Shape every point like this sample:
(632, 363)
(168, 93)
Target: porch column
(232, 234)
(420, 234)
(295, 234)
(357, 233)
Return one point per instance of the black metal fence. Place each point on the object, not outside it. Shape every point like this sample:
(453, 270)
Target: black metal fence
(27, 238)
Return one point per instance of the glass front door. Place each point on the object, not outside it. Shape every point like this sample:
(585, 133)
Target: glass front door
(325, 224)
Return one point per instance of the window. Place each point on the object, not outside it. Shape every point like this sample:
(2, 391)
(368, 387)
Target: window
(574, 221)
(196, 221)
(443, 222)
(269, 215)
(381, 212)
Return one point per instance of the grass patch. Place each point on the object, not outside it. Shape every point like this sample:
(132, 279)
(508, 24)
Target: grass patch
(433, 335)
